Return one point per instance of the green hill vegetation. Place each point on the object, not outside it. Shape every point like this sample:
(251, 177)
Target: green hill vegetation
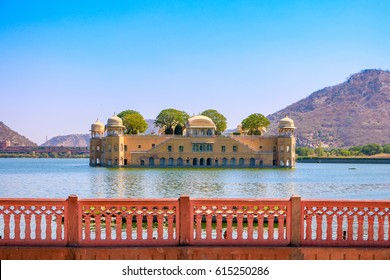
(355, 151)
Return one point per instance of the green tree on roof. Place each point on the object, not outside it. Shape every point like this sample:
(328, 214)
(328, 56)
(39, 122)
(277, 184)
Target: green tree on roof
(218, 119)
(254, 122)
(133, 121)
(170, 120)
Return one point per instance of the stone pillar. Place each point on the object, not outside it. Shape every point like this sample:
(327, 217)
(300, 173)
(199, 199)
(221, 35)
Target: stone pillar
(296, 220)
(186, 220)
(73, 221)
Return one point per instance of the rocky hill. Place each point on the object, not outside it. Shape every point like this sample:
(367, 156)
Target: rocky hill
(15, 138)
(352, 113)
(73, 140)
(82, 140)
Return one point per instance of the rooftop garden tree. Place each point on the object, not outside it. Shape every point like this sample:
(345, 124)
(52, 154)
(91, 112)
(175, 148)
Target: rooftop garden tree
(254, 123)
(218, 119)
(171, 121)
(133, 121)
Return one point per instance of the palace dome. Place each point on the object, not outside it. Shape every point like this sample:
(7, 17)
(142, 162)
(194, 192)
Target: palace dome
(115, 121)
(97, 126)
(286, 123)
(200, 121)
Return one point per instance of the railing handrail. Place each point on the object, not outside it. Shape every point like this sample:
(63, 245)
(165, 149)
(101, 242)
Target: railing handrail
(245, 200)
(349, 201)
(9, 201)
(128, 200)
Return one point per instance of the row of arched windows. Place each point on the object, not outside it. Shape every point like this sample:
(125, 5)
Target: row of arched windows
(211, 162)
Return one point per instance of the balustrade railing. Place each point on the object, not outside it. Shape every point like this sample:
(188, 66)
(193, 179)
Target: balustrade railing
(240, 222)
(345, 223)
(128, 222)
(185, 221)
(33, 221)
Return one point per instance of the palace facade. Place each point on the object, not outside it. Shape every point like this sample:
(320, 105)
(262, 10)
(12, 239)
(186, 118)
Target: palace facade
(199, 146)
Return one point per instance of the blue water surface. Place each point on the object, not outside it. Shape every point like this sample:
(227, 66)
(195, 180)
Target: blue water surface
(58, 178)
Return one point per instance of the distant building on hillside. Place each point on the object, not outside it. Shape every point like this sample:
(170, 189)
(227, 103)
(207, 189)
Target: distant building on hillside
(199, 146)
(5, 144)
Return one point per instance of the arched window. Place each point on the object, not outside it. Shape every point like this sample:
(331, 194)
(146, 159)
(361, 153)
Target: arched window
(162, 161)
(201, 162)
(224, 162)
(170, 162)
(179, 162)
(232, 162)
(142, 162)
(252, 162)
(208, 162)
(151, 161)
(241, 162)
(195, 162)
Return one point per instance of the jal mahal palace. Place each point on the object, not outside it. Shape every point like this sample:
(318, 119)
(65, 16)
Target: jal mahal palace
(199, 146)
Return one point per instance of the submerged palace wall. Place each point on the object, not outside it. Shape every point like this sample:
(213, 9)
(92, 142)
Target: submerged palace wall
(197, 147)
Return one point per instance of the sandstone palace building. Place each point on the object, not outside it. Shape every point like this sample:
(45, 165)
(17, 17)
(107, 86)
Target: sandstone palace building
(199, 146)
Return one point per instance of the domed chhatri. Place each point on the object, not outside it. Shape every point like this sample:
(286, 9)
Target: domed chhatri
(199, 146)
(114, 126)
(115, 121)
(286, 127)
(286, 122)
(97, 129)
(200, 121)
(200, 126)
(97, 126)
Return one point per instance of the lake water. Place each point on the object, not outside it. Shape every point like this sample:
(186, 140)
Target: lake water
(58, 178)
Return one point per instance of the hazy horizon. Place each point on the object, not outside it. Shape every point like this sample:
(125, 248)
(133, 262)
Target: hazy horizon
(65, 63)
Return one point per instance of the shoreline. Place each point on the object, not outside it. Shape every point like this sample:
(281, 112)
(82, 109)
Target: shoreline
(345, 160)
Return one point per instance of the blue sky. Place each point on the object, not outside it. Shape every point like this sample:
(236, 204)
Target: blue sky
(65, 63)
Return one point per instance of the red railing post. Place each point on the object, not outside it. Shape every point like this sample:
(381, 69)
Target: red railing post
(186, 220)
(73, 220)
(295, 220)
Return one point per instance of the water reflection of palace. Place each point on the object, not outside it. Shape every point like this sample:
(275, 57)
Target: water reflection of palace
(199, 146)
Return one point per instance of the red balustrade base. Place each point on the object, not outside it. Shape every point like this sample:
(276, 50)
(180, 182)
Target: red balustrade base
(193, 253)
